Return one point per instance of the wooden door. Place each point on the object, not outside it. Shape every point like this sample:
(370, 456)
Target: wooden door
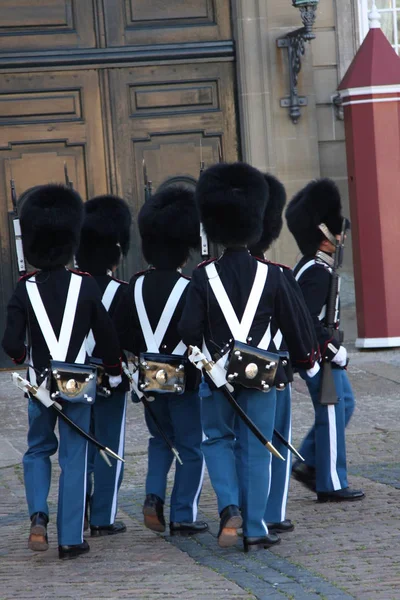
(103, 84)
(162, 115)
(46, 120)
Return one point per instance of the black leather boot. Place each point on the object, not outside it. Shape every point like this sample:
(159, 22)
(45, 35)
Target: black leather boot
(73, 551)
(184, 529)
(252, 544)
(153, 512)
(38, 541)
(231, 521)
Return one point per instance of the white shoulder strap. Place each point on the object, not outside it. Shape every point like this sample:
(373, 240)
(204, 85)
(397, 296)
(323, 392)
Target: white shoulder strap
(153, 339)
(309, 264)
(239, 330)
(107, 298)
(109, 294)
(58, 348)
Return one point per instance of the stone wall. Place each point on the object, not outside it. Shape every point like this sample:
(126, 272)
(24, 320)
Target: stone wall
(270, 141)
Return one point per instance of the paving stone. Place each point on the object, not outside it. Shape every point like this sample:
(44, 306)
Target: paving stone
(336, 552)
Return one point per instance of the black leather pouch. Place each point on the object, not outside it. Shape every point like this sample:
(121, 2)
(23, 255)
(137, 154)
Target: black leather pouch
(72, 382)
(252, 367)
(162, 373)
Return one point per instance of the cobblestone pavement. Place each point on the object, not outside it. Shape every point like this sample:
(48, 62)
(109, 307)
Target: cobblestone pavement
(337, 551)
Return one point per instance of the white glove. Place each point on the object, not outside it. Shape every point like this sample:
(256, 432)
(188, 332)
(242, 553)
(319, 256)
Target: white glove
(340, 357)
(114, 380)
(315, 369)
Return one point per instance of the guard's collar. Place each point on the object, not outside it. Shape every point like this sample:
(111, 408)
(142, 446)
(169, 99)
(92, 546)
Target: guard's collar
(324, 257)
(236, 249)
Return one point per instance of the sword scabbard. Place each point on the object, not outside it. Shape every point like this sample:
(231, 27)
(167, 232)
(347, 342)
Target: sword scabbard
(274, 451)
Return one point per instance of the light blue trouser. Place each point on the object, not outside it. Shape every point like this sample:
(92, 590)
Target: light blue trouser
(243, 482)
(324, 447)
(108, 427)
(72, 457)
(280, 471)
(179, 417)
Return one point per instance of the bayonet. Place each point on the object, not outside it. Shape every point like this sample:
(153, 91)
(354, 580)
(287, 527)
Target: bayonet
(68, 182)
(204, 246)
(148, 187)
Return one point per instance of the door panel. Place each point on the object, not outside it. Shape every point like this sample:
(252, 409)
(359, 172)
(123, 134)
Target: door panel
(158, 21)
(45, 24)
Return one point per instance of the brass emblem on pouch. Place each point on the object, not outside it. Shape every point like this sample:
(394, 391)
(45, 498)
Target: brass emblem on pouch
(71, 386)
(161, 377)
(251, 371)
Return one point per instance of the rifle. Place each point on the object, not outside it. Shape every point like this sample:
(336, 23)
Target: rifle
(17, 230)
(204, 247)
(68, 182)
(148, 188)
(328, 392)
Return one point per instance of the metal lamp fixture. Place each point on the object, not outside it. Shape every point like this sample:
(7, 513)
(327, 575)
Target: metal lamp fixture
(295, 44)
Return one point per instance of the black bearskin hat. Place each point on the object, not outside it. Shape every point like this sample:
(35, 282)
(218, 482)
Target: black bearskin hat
(319, 202)
(51, 218)
(169, 227)
(273, 220)
(105, 234)
(231, 199)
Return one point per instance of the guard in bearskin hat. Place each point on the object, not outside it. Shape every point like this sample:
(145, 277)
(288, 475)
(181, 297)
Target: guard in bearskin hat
(233, 299)
(314, 217)
(275, 515)
(146, 322)
(55, 308)
(105, 238)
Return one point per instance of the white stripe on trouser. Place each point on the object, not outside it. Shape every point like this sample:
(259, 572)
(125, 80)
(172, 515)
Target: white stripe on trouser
(288, 465)
(269, 488)
(196, 498)
(333, 447)
(119, 466)
(84, 492)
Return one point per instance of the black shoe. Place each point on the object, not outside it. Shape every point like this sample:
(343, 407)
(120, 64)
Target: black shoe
(343, 495)
(67, 552)
(99, 530)
(282, 527)
(252, 544)
(153, 511)
(38, 541)
(231, 521)
(188, 528)
(305, 474)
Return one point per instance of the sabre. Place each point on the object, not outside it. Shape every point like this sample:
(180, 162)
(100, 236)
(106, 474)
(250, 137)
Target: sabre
(288, 445)
(42, 395)
(145, 401)
(17, 229)
(216, 373)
